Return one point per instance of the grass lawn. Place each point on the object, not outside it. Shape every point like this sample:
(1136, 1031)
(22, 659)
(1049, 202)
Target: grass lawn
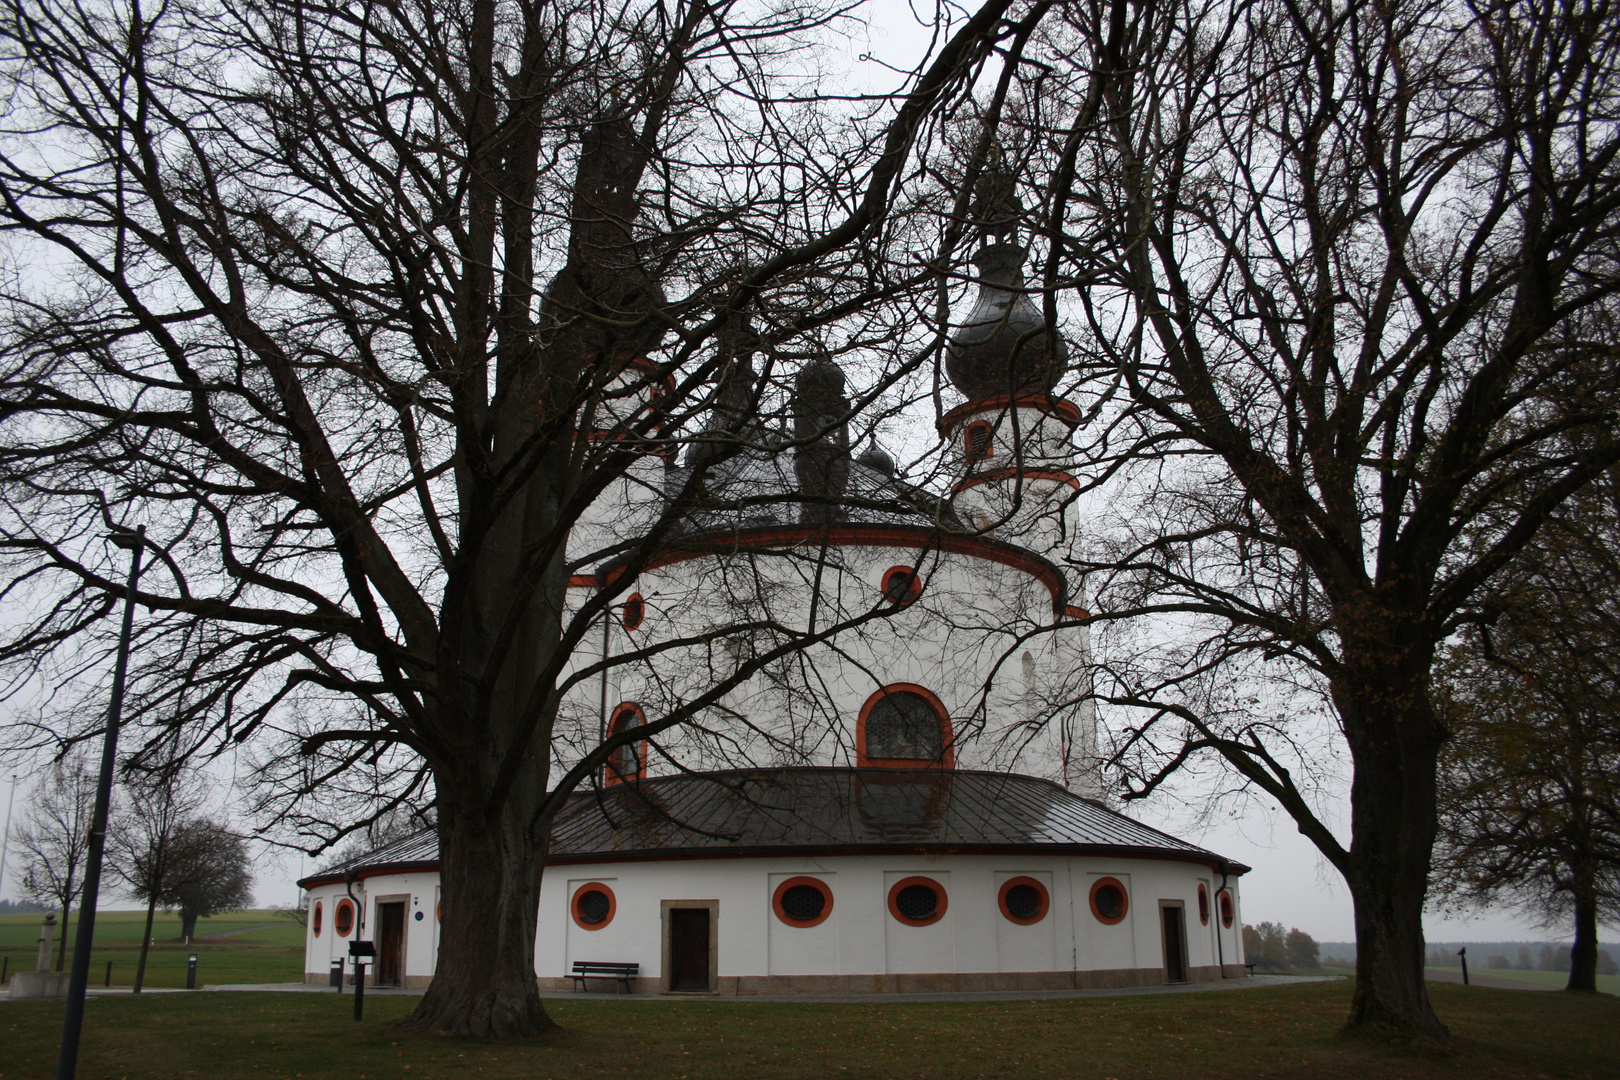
(1280, 1032)
(275, 954)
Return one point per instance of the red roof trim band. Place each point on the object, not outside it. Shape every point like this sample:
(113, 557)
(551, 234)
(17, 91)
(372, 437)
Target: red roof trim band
(1051, 406)
(906, 536)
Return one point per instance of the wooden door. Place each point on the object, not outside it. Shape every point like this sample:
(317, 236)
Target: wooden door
(391, 944)
(689, 949)
(1175, 943)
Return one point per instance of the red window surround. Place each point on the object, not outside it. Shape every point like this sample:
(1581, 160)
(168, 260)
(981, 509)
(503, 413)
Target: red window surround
(946, 759)
(798, 883)
(315, 919)
(1203, 904)
(1043, 902)
(901, 585)
(629, 762)
(587, 906)
(1226, 909)
(1110, 902)
(635, 611)
(343, 917)
(904, 884)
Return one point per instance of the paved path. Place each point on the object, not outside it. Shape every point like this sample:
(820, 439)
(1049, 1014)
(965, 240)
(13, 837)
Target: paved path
(1257, 982)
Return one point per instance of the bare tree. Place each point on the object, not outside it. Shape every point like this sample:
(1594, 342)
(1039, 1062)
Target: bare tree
(364, 308)
(141, 838)
(53, 837)
(1341, 268)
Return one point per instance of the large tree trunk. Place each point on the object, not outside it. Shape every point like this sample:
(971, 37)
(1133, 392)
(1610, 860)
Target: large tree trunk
(188, 925)
(1395, 741)
(490, 873)
(1583, 955)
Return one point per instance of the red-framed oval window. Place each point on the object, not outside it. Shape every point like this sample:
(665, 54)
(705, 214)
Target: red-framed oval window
(1226, 909)
(593, 905)
(315, 919)
(343, 917)
(635, 611)
(1109, 901)
(438, 911)
(802, 901)
(1023, 900)
(904, 726)
(917, 901)
(901, 585)
(978, 441)
(1203, 904)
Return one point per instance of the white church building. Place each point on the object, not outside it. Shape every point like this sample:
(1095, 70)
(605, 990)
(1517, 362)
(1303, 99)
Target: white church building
(921, 809)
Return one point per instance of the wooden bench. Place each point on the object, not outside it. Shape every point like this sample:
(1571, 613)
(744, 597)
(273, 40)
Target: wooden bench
(593, 969)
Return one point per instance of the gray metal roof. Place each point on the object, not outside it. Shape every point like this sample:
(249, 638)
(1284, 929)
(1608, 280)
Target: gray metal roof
(827, 811)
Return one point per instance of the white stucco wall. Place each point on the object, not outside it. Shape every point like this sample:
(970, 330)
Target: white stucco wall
(859, 937)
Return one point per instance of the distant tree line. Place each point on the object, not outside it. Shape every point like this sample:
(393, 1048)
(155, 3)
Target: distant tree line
(1269, 948)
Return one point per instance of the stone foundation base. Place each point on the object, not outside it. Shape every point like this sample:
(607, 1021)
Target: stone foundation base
(934, 983)
(39, 984)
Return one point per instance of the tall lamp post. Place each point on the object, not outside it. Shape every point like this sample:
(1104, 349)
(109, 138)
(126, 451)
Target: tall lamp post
(67, 1060)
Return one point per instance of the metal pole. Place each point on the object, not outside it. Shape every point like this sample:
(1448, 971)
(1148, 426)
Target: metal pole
(67, 1059)
(5, 843)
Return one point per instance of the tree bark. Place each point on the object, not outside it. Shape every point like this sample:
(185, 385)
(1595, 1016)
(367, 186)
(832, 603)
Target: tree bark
(1583, 955)
(484, 984)
(146, 942)
(61, 946)
(188, 925)
(1395, 741)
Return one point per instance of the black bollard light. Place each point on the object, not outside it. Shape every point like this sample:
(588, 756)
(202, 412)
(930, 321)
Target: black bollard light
(360, 952)
(109, 974)
(191, 972)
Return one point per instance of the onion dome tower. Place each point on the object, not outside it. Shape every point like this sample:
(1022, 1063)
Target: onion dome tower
(1010, 439)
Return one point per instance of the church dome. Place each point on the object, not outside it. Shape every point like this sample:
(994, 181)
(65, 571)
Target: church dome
(1002, 345)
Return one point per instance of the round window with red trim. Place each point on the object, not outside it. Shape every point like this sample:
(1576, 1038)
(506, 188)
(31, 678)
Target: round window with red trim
(635, 611)
(1203, 904)
(802, 901)
(1023, 900)
(315, 919)
(901, 585)
(1109, 900)
(978, 440)
(593, 905)
(917, 901)
(343, 917)
(1226, 909)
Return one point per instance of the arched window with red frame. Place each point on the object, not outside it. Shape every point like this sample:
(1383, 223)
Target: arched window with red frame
(1203, 904)
(315, 919)
(1227, 915)
(628, 762)
(978, 441)
(904, 726)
